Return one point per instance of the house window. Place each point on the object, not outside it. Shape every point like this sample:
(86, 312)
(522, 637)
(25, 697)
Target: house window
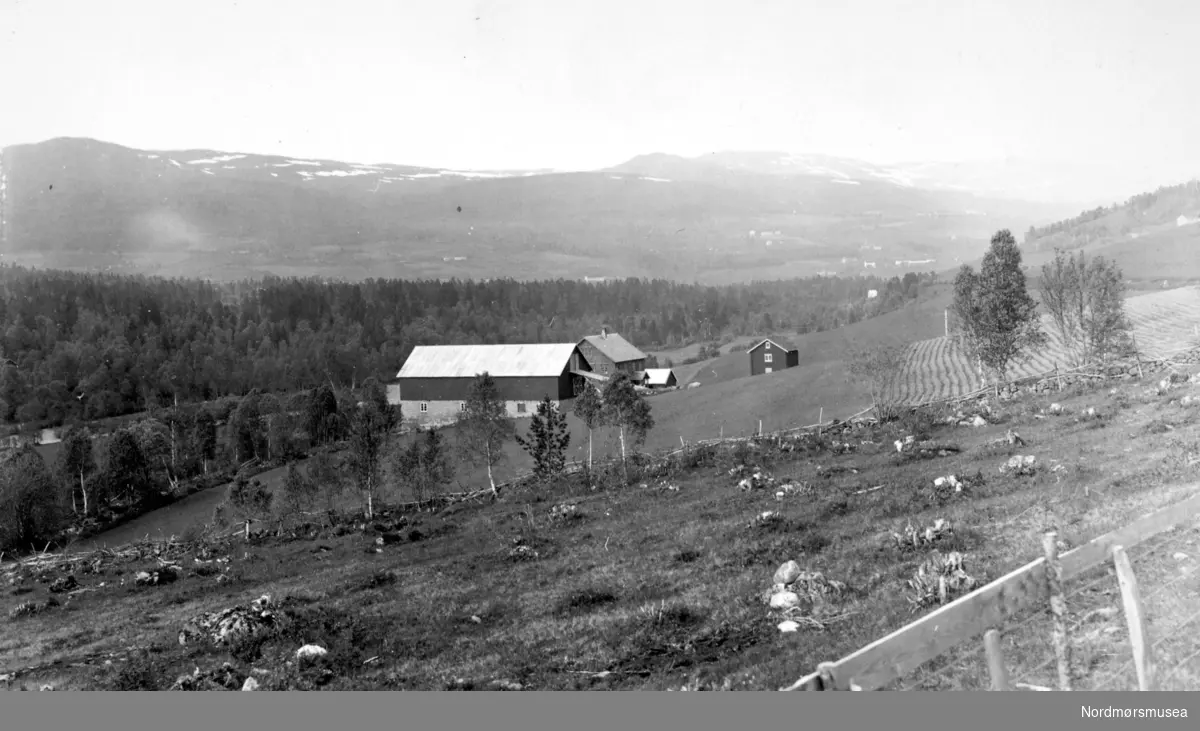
(521, 408)
(768, 345)
(604, 369)
(424, 407)
(462, 406)
(769, 358)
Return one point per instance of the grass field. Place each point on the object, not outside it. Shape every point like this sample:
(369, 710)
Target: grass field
(1163, 323)
(645, 587)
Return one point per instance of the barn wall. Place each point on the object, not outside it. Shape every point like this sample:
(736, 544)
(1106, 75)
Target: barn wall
(440, 413)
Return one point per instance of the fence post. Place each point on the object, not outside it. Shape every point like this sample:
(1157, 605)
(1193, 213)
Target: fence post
(1058, 607)
(995, 660)
(1135, 616)
(821, 418)
(825, 670)
(760, 427)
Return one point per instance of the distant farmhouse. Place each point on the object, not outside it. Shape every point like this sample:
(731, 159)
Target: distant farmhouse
(654, 378)
(773, 354)
(608, 353)
(432, 386)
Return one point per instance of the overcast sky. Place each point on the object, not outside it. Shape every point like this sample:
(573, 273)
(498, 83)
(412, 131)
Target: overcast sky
(569, 84)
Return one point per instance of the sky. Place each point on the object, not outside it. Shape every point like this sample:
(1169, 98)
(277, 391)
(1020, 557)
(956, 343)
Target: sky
(1105, 86)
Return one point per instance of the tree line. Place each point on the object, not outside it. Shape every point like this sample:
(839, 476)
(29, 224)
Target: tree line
(358, 454)
(80, 347)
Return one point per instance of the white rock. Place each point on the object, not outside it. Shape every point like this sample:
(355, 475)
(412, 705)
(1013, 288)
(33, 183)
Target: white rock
(787, 572)
(250, 684)
(310, 652)
(978, 421)
(1056, 408)
(785, 600)
(1181, 556)
(788, 626)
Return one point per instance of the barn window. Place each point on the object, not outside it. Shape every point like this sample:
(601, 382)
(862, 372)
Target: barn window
(424, 407)
(768, 345)
(462, 406)
(768, 358)
(604, 368)
(521, 408)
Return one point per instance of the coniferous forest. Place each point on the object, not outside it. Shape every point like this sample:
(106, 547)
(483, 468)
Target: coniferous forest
(80, 347)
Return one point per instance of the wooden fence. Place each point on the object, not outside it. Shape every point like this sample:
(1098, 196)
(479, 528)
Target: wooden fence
(984, 612)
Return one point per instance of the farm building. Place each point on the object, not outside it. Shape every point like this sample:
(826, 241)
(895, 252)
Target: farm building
(432, 386)
(608, 353)
(656, 378)
(773, 354)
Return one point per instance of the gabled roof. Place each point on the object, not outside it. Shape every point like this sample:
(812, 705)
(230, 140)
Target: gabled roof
(467, 361)
(615, 347)
(658, 376)
(781, 342)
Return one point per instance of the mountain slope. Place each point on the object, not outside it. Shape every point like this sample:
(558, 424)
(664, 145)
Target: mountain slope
(85, 204)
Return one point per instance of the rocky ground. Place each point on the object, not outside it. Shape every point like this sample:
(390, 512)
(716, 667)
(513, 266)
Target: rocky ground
(740, 567)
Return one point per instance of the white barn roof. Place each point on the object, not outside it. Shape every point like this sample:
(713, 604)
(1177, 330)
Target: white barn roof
(501, 361)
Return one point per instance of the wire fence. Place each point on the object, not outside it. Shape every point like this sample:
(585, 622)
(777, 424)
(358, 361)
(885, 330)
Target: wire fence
(1101, 653)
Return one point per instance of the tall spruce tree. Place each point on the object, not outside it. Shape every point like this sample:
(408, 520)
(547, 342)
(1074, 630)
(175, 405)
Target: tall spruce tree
(547, 441)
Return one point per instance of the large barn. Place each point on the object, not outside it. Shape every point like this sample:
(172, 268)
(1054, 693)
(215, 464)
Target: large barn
(432, 386)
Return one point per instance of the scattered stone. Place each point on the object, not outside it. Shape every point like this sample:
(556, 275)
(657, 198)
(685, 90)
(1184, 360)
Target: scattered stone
(476, 619)
(979, 421)
(158, 577)
(64, 584)
(1019, 465)
(788, 626)
(46, 687)
(310, 652)
(787, 573)
(949, 480)
(785, 600)
(1056, 408)
(1181, 556)
(250, 684)
(1014, 439)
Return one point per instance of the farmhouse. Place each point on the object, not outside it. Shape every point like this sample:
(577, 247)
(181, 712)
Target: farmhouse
(773, 354)
(657, 378)
(432, 386)
(608, 353)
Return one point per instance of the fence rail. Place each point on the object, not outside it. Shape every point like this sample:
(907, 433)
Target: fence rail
(986, 610)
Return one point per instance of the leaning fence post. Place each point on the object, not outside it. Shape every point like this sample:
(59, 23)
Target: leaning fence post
(1135, 615)
(825, 670)
(1058, 607)
(995, 660)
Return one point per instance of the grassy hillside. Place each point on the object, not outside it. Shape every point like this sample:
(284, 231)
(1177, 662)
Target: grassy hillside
(642, 587)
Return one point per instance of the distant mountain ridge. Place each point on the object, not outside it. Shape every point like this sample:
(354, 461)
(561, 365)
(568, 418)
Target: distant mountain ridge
(86, 204)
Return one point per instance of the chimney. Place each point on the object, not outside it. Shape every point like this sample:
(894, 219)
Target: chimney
(603, 332)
